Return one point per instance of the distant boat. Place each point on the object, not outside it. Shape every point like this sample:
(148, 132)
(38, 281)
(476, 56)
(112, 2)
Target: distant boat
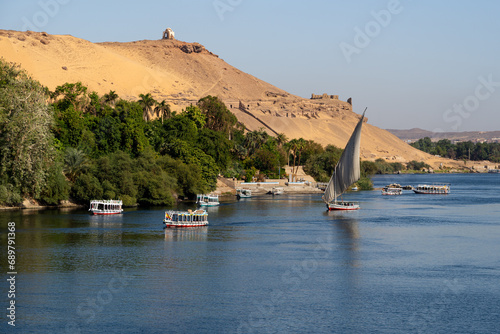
(494, 171)
(392, 191)
(346, 172)
(434, 189)
(207, 200)
(106, 207)
(354, 188)
(185, 218)
(243, 193)
(277, 191)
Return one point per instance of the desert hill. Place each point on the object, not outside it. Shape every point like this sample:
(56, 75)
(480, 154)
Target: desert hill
(181, 73)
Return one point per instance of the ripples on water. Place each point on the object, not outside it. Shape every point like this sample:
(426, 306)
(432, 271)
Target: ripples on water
(401, 264)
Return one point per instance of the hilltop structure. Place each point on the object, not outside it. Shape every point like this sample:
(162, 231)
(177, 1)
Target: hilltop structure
(168, 34)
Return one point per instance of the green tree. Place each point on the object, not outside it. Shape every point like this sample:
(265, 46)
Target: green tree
(26, 141)
(194, 113)
(72, 94)
(218, 117)
(86, 188)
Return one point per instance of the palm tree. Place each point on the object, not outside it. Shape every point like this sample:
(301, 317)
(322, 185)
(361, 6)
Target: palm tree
(111, 97)
(281, 139)
(301, 145)
(163, 109)
(75, 162)
(147, 102)
(255, 139)
(292, 147)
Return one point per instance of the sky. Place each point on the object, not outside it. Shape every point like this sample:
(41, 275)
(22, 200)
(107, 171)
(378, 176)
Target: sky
(414, 64)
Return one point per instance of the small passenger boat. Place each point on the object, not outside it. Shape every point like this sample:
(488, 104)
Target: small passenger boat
(441, 189)
(207, 200)
(185, 218)
(277, 191)
(106, 207)
(243, 193)
(392, 191)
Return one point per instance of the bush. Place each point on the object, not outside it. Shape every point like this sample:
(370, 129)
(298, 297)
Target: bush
(9, 195)
(416, 165)
(128, 201)
(56, 189)
(365, 184)
(86, 188)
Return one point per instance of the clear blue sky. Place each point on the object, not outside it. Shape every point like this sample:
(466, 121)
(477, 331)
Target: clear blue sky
(427, 64)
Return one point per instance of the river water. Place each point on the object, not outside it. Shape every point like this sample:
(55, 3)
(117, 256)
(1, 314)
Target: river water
(401, 264)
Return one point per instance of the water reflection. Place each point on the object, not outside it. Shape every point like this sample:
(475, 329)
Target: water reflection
(347, 231)
(186, 234)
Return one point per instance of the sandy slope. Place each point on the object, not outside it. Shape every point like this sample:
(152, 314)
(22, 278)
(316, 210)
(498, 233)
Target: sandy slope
(170, 72)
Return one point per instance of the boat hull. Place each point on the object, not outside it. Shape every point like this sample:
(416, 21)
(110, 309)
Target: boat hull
(421, 192)
(175, 224)
(106, 213)
(342, 206)
(434, 189)
(209, 204)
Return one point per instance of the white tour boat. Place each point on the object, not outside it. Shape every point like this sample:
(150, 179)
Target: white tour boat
(185, 218)
(106, 207)
(346, 172)
(439, 189)
(243, 193)
(207, 200)
(392, 191)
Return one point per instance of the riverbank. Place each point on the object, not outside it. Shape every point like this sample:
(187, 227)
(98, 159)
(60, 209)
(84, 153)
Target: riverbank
(31, 204)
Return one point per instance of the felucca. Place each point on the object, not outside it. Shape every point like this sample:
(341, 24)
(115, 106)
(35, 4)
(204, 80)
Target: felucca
(346, 172)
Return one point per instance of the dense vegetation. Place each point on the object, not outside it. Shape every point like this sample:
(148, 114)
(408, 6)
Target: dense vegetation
(460, 151)
(71, 144)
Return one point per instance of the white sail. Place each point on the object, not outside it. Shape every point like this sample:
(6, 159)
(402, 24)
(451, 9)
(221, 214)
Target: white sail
(347, 171)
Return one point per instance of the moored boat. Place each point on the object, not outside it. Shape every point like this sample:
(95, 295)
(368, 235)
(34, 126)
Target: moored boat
(392, 191)
(346, 172)
(106, 207)
(277, 191)
(243, 193)
(185, 218)
(207, 200)
(439, 189)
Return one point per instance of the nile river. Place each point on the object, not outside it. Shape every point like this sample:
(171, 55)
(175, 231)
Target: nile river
(401, 264)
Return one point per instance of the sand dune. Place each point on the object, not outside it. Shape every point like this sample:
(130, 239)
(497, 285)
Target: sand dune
(181, 73)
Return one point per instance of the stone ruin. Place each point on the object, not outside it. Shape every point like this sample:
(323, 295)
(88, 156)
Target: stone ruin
(168, 34)
(324, 97)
